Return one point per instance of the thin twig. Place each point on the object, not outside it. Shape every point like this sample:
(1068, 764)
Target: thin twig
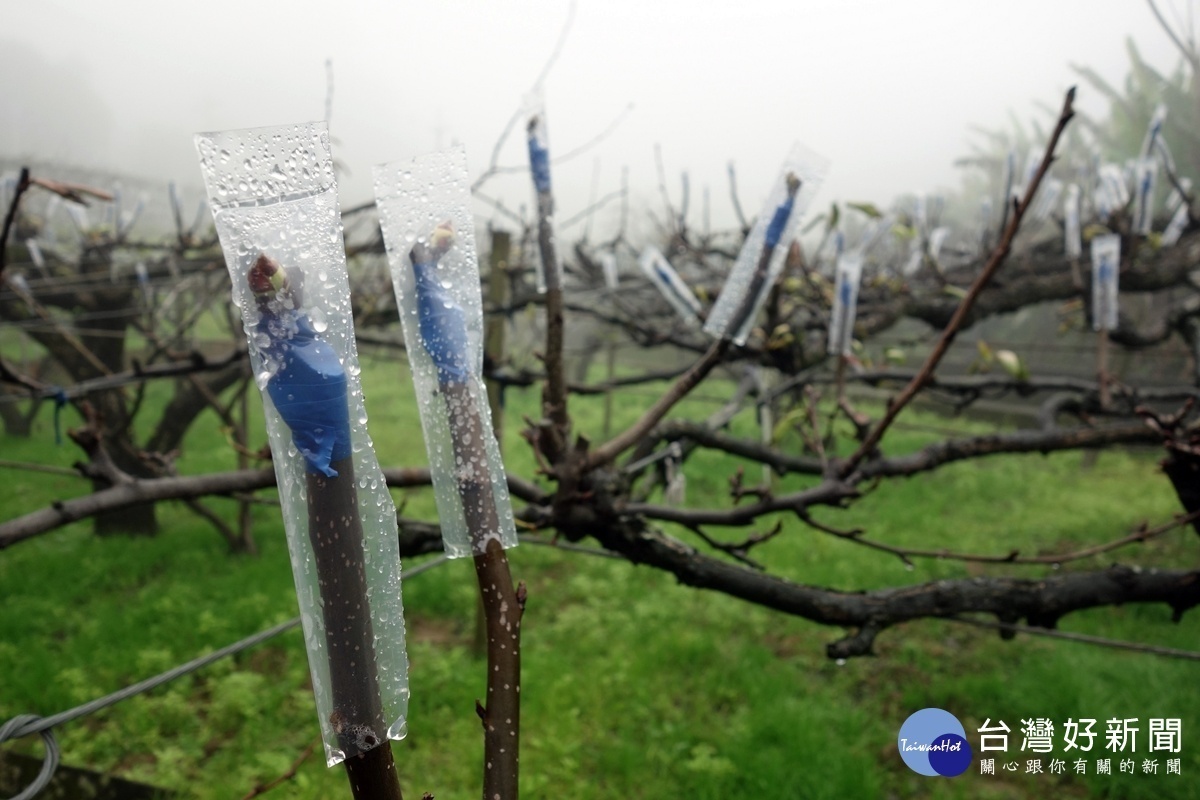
(1169, 652)
(960, 315)
(688, 381)
(493, 164)
(11, 216)
(262, 788)
(1142, 534)
(1187, 52)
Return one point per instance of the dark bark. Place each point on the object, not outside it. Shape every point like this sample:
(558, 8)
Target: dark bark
(335, 530)
(1041, 601)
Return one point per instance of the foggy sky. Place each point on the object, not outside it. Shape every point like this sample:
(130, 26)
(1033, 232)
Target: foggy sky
(886, 90)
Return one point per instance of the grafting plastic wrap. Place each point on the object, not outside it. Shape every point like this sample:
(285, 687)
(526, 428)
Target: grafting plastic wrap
(1072, 241)
(1154, 130)
(1046, 200)
(538, 139)
(1179, 219)
(1111, 192)
(1146, 182)
(424, 210)
(608, 264)
(672, 287)
(1106, 260)
(845, 304)
(761, 259)
(274, 200)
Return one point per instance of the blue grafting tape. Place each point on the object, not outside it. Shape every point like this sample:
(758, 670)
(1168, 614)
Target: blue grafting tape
(309, 392)
(779, 221)
(443, 326)
(539, 164)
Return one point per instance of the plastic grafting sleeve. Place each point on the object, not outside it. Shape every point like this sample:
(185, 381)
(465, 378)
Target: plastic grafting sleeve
(1047, 198)
(1072, 237)
(1146, 183)
(1111, 194)
(1106, 261)
(1179, 220)
(424, 211)
(672, 287)
(537, 139)
(761, 258)
(608, 265)
(845, 304)
(274, 201)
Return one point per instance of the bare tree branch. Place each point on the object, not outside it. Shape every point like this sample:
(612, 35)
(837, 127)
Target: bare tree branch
(948, 334)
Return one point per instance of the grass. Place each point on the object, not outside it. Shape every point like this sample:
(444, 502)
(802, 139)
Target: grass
(633, 686)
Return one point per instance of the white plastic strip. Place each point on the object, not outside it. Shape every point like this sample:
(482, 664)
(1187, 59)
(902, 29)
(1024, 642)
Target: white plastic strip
(672, 287)
(1106, 261)
(765, 249)
(845, 304)
(424, 211)
(274, 201)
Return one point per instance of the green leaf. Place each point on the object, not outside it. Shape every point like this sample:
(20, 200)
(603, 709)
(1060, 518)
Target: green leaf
(866, 208)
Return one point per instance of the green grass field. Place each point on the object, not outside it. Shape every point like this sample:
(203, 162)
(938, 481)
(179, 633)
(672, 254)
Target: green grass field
(633, 686)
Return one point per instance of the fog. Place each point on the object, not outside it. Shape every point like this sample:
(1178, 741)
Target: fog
(886, 90)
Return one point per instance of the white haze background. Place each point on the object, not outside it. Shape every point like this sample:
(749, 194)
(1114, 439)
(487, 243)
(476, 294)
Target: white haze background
(886, 90)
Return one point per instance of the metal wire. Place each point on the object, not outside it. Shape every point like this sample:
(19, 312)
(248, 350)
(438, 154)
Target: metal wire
(29, 724)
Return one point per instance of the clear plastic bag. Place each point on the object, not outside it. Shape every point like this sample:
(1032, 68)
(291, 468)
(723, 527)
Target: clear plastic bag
(538, 139)
(424, 211)
(845, 304)
(274, 201)
(1106, 262)
(1179, 219)
(672, 287)
(1111, 192)
(1146, 183)
(608, 265)
(1072, 237)
(761, 258)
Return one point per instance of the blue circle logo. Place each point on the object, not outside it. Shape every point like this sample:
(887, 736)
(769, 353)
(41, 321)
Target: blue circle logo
(933, 742)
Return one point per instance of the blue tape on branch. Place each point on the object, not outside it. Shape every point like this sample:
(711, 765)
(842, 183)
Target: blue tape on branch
(442, 324)
(779, 221)
(539, 164)
(60, 400)
(309, 392)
